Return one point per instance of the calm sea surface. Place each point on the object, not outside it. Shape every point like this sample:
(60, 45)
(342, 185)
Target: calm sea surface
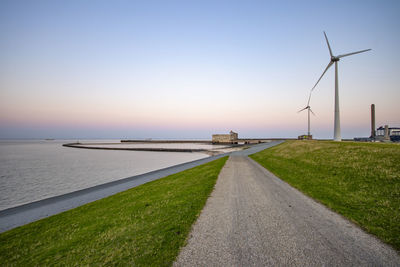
(34, 170)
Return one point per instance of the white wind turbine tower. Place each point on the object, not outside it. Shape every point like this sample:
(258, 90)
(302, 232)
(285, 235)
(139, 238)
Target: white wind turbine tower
(335, 59)
(309, 110)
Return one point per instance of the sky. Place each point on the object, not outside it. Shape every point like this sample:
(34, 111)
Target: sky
(188, 69)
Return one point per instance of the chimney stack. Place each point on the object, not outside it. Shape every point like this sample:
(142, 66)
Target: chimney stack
(373, 121)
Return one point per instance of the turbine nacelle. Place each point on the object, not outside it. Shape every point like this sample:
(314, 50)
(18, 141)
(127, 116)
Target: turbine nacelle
(335, 59)
(308, 107)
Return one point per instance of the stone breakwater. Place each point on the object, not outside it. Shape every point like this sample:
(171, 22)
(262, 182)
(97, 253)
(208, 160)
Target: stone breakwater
(154, 149)
(168, 141)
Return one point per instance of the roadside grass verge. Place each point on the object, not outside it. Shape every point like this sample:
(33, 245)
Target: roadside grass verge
(358, 180)
(143, 226)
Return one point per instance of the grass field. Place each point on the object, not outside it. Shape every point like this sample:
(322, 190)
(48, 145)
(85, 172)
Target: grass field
(143, 226)
(358, 180)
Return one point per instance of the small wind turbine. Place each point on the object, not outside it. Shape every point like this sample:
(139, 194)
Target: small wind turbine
(309, 110)
(335, 59)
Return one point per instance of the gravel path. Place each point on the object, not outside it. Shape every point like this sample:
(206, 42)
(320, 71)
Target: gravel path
(255, 219)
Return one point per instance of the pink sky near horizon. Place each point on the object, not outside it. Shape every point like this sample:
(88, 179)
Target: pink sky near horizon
(69, 69)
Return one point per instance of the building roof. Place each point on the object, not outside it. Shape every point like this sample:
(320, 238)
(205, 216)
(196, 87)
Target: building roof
(390, 128)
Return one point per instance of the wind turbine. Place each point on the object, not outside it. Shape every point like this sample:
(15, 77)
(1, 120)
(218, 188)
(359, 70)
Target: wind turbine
(309, 110)
(335, 59)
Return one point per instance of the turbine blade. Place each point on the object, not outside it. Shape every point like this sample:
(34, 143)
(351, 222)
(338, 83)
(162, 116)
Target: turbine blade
(349, 54)
(301, 110)
(327, 67)
(329, 47)
(309, 98)
(312, 112)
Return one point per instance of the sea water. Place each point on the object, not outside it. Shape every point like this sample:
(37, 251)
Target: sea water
(35, 170)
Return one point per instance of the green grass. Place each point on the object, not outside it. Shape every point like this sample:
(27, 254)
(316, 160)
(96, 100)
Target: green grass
(145, 225)
(358, 180)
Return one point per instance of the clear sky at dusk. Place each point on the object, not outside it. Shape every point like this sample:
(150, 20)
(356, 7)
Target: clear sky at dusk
(187, 69)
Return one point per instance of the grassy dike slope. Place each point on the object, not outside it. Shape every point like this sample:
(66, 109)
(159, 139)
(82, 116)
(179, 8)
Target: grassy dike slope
(358, 180)
(145, 225)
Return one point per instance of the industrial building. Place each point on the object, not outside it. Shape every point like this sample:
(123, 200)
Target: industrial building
(231, 138)
(382, 134)
(388, 133)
